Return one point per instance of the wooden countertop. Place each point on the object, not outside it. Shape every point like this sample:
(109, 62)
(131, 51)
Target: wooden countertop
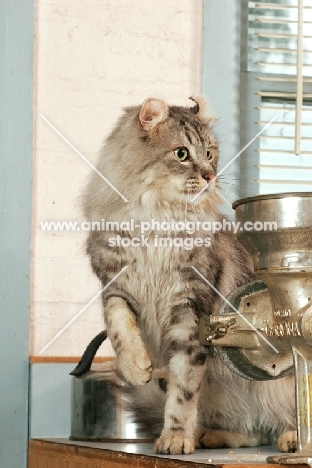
(63, 453)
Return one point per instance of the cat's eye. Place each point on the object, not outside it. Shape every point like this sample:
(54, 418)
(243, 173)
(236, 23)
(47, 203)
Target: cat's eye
(209, 153)
(181, 154)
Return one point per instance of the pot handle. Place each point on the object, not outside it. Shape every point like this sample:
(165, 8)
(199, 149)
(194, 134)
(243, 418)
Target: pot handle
(87, 357)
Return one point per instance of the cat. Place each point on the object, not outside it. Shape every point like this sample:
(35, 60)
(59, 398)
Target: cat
(160, 157)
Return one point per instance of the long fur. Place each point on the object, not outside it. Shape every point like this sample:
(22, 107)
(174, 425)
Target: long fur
(152, 310)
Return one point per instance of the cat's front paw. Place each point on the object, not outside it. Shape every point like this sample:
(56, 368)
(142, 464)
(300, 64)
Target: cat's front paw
(136, 367)
(174, 444)
(287, 442)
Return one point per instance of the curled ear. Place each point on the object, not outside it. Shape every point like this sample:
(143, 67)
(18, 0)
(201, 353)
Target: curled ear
(153, 112)
(200, 109)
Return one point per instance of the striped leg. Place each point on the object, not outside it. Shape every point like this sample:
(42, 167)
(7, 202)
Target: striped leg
(186, 371)
(133, 360)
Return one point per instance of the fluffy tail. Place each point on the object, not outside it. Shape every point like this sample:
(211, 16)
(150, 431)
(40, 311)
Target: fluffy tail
(147, 404)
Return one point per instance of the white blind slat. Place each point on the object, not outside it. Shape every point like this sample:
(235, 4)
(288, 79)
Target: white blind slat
(289, 80)
(299, 97)
(281, 95)
(283, 123)
(282, 51)
(286, 108)
(280, 35)
(280, 48)
(262, 150)
(290, 168)
(278, 6)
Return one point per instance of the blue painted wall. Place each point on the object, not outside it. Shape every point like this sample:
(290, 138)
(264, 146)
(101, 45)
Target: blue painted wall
(221, 83)
(16, 62)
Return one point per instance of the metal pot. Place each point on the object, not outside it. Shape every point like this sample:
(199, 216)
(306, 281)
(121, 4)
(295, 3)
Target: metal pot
(96, 410)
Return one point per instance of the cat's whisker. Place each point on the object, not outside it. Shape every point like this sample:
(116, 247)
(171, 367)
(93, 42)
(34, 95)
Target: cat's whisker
(184, 202)
(225, 177)
(226, 174)
(229, 193)
(186, 208)
(235, 185)
(237, 179)
(224, 199)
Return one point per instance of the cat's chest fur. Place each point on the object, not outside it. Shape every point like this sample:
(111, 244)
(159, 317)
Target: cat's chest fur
(159, 270)
(158, 283)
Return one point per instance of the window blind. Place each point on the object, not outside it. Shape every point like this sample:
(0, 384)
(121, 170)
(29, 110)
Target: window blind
(280, 58)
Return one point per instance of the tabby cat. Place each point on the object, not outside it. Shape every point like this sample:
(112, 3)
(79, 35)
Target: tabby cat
(159, 157)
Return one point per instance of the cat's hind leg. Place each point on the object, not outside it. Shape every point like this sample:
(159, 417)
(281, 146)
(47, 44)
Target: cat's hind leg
(217, 438)
(287, 442)
(133, 361)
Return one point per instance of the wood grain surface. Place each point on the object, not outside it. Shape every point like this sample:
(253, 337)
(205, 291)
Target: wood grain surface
(44, 454)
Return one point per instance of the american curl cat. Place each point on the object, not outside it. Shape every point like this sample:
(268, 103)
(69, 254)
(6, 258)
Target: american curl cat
(159, 157)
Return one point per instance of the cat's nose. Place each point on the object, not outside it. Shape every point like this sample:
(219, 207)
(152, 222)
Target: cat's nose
(209, 177)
